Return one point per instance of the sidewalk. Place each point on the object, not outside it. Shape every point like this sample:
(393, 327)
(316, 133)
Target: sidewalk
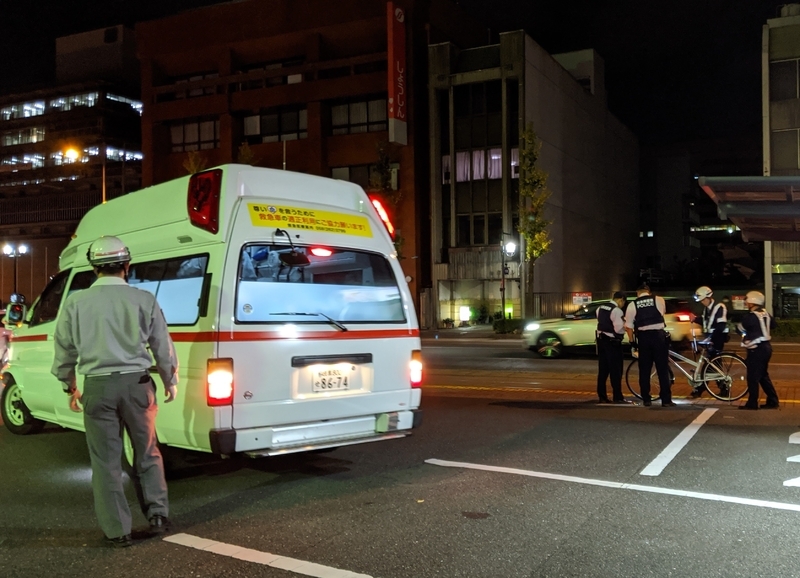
(468, 332)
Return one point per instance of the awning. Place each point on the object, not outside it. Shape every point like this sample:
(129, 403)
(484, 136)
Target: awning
(764, 208)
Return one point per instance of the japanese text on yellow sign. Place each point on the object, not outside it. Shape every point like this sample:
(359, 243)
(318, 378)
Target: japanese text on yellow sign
(308, 220)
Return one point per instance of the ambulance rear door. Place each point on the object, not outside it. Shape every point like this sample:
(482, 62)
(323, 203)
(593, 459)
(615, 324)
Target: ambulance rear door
(318, 320)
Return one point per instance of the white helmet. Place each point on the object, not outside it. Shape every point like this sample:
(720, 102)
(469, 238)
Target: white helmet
(702, 293)
(755, 298)
(107, 251)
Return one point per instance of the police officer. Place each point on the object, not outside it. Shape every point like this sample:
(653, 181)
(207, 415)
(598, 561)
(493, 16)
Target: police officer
(610, 331)
(645, 316)
(106, 330)
(715, 327)
(755, 329)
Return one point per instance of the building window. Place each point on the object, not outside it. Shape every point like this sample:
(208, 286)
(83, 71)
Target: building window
(195, 135)
(23, 161)
(785, 150)
(650, 234)
(359, 116)
(23, 110)
(195, 92)
(69, 102)
(361, 175)
(24, 136)
(783, 80)
(134, 104)
(276, 125)
(270, 78)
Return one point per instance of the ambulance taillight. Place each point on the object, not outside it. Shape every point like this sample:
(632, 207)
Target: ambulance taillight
(415, 366)
(219, 381)
(203, 199)
(384, 215)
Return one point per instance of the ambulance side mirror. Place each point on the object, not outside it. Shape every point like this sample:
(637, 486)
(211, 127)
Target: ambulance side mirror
(15, 314)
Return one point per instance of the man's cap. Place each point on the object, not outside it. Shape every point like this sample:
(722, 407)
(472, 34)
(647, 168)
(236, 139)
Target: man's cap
(618, 295)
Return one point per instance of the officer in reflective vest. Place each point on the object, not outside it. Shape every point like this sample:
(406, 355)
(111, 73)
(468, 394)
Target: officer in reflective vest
(715, 327)
(755, 329)
(645, 316)
(610, 331)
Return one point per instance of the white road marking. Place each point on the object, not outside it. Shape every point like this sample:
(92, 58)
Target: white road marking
(620, 485)
(265, 558)
(794, 483)
(793, 459)
(794, 438)
(663, 459)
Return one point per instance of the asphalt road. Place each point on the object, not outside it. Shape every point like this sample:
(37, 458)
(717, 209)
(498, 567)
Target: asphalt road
(526, 484)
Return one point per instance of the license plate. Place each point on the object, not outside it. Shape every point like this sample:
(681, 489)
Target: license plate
(331, 377)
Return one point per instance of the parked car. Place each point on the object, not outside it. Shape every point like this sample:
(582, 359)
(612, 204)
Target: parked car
(550, 337)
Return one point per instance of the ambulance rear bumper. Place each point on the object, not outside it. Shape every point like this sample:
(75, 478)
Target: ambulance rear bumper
(267, 441)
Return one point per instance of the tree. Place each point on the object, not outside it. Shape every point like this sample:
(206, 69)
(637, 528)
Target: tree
(380, 184)
(245, 155)
(195, 162)
(533, 194)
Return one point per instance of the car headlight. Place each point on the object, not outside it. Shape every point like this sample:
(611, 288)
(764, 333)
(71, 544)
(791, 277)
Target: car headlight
(531, 327)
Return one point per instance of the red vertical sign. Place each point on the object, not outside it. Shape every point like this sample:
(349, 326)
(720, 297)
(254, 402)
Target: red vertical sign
(398, 79)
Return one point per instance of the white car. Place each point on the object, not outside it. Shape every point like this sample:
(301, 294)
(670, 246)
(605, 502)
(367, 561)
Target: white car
(549, 337)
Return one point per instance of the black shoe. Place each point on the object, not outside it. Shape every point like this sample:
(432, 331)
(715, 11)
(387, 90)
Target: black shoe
(770, 405)
(668, 404)
(696, 393)
(745, 406)
(159, 524)
(622, 401)
(647, 403)
(724, 392)
(603, 400)
(120, 542)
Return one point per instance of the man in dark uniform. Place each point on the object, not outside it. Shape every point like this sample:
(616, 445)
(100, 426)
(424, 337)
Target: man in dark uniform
(755, 328)
(610, 331)
(715, 327)
(645, 316)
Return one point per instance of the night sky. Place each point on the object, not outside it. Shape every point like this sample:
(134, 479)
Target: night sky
(675, 71)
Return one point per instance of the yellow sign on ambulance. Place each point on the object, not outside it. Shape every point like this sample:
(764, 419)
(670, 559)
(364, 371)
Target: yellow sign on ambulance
(308, 220)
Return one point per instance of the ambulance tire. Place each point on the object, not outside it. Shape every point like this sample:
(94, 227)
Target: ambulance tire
(16, 416)
(127, 455)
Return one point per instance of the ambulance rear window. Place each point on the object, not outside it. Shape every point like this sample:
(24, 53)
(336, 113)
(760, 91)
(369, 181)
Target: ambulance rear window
(343, 284)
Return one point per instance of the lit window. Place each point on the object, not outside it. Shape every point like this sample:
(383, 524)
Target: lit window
(649, 233)
(641, 233)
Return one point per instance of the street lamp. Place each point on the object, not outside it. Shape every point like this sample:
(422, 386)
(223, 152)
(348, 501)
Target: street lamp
(72, 155)
(507, 249)
(15, 251)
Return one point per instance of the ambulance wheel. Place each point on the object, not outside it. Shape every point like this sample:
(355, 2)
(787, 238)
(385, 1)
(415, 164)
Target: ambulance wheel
(549, 346)
(128, 460)
(16, 416)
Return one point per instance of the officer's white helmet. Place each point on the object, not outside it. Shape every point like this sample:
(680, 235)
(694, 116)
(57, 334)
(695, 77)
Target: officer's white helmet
(108, 250)
(755, 298)
(702, 293)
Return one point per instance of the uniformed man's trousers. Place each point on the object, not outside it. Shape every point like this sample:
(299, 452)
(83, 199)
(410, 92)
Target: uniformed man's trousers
(653, 349)
(110, 403)
(609, 364)
(757, 374)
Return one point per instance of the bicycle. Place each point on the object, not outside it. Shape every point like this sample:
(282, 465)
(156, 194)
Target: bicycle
(727, 371)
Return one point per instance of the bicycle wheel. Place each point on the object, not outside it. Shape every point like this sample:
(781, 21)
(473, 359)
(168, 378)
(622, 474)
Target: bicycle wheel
(632, 380)
(725, 377)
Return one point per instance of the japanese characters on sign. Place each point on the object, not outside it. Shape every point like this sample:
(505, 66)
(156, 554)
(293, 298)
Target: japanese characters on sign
(308, 219)
(398, 78)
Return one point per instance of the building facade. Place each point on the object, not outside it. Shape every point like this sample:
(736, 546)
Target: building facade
(305, 85)
(781, 113)
(63, 149)
(481, 100)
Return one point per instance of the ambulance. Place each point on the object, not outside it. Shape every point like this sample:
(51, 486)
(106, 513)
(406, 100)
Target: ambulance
(292, 320)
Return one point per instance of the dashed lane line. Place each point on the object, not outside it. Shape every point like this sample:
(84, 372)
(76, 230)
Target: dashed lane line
(264, 558)
(663, 459)
(620, 485)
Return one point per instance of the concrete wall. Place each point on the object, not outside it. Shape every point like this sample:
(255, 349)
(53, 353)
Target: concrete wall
(592, 162)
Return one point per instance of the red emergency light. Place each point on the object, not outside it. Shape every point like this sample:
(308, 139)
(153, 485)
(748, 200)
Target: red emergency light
(321, 252)
(383, 215)
(203, 199)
